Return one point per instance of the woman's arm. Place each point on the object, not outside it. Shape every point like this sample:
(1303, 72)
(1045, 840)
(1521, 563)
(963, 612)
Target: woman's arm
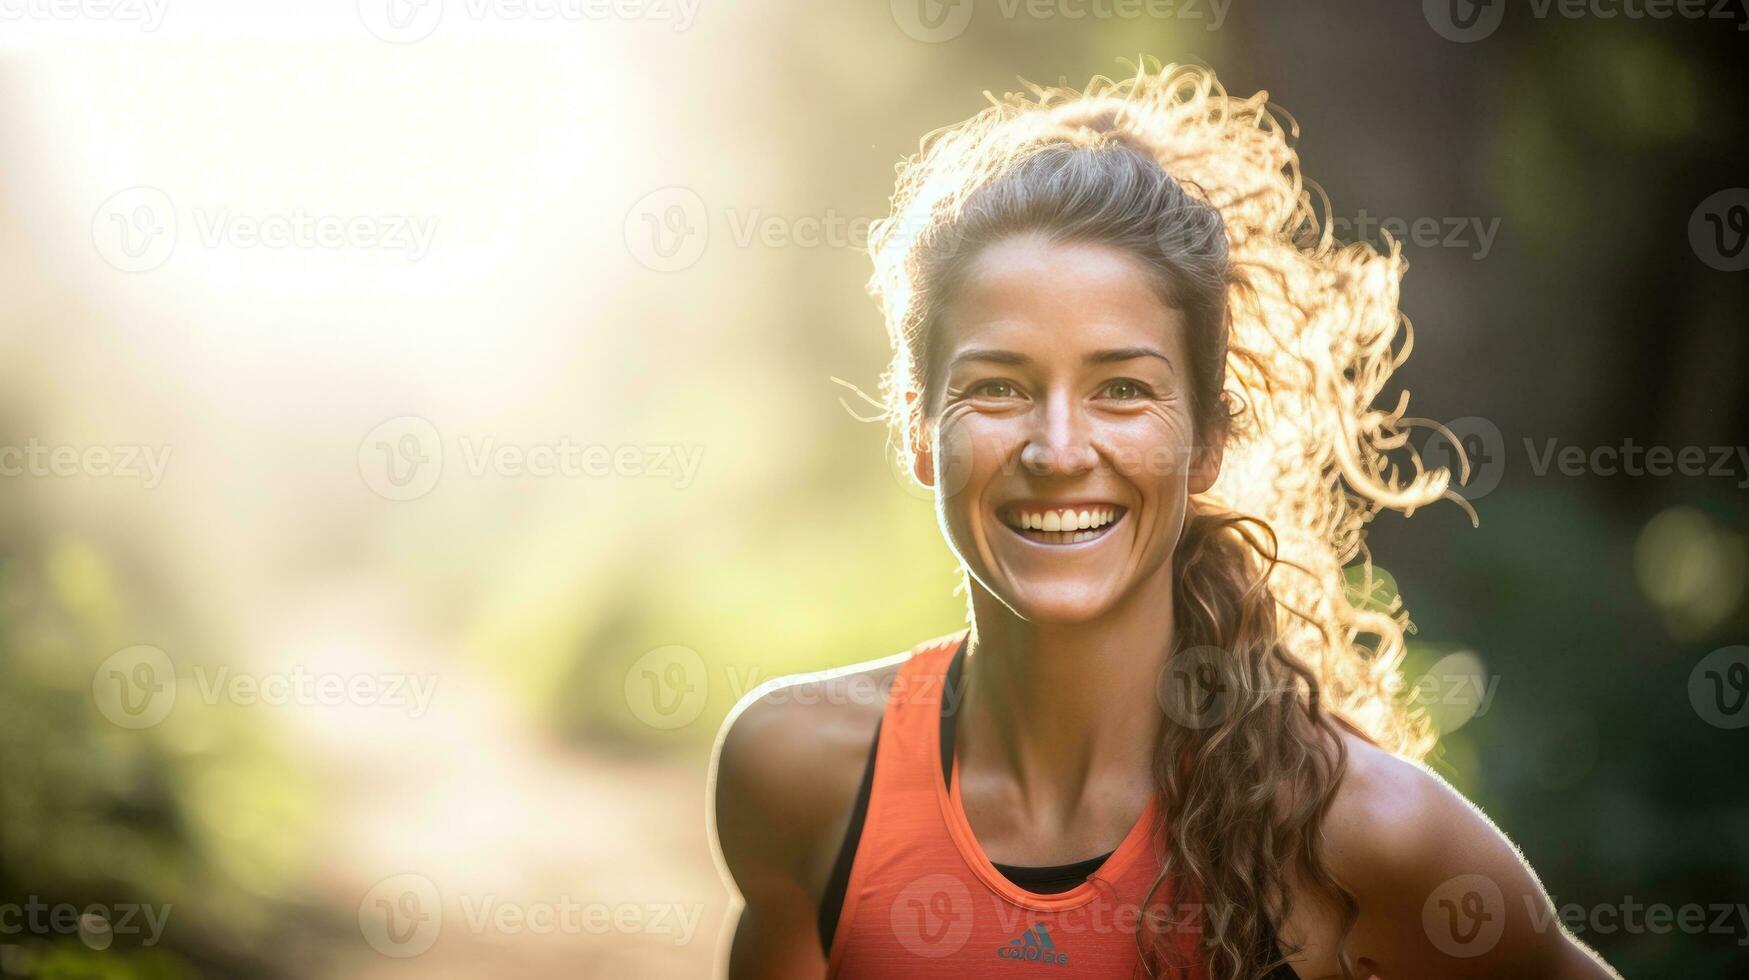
(764, 850)
(1442, 892)
(784, 780)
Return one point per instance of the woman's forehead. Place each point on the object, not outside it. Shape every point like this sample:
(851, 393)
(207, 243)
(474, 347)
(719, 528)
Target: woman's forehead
(1034, 281)
(1071, 316)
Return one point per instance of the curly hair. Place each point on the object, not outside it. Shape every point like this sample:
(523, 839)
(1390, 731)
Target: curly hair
(1292, 336)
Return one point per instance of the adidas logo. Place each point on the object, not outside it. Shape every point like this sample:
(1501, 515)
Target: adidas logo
(1034, 945)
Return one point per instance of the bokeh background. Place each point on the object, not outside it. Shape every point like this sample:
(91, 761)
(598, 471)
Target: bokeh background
(419, 428)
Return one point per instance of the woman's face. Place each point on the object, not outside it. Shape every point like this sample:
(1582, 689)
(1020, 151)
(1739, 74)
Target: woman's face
(1063, 452)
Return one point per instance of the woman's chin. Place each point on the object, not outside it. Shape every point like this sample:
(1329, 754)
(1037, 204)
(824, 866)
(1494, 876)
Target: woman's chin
(1058, 607)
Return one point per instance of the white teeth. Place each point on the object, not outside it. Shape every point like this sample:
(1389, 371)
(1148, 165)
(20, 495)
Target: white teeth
(1074, 525)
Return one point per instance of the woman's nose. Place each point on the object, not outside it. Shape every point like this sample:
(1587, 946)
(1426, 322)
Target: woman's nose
(1061, 446)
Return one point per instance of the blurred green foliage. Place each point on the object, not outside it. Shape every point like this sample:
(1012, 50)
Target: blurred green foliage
(191, 823)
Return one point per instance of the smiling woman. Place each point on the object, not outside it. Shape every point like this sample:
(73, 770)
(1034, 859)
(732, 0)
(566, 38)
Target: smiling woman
(1138, 377)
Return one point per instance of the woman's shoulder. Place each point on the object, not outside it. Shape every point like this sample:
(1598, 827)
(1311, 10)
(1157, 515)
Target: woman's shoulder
(1390, 813)
(787, 766)
(793, 725)
(1425, 865)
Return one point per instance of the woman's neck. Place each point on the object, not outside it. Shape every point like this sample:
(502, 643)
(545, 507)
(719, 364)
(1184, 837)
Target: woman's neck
(1069, 711)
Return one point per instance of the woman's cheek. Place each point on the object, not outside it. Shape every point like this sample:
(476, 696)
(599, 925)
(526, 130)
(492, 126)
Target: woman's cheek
(957, 454)
(1155, 449)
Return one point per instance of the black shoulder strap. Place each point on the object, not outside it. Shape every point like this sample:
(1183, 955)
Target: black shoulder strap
(951, 691)
(832, 900)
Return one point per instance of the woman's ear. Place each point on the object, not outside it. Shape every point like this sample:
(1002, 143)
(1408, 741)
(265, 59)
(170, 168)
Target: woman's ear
(918, 440)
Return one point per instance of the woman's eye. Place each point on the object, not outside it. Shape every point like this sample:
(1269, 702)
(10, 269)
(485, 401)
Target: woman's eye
(994, 389)
(1126, 390)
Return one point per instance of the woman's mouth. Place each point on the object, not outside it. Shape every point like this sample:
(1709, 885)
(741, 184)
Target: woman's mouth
(1061, 525)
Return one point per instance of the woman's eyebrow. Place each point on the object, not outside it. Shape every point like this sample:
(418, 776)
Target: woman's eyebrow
(989, 355)
(1116, 354)
(992, 355)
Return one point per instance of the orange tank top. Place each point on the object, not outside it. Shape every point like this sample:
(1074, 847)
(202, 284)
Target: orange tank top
(924, 902)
